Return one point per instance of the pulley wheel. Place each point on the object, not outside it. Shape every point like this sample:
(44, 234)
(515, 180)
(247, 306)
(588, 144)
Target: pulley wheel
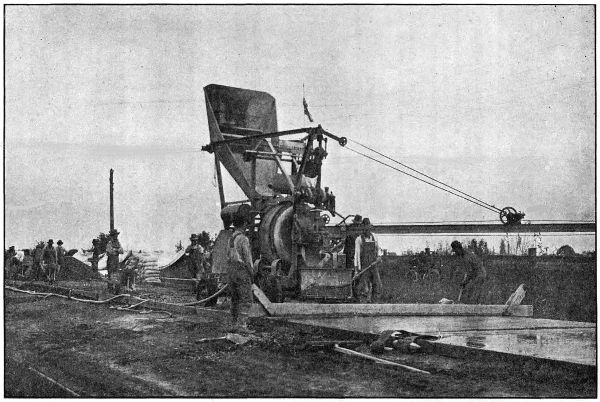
(505, 213)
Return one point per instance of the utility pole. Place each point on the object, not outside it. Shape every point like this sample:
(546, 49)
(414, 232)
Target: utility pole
(112, 208)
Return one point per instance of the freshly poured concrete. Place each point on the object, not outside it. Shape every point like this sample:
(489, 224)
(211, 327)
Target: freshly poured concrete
(434, 325)
(572, 345)
(568, 341)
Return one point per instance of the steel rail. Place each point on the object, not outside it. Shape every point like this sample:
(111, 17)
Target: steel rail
(476, 228)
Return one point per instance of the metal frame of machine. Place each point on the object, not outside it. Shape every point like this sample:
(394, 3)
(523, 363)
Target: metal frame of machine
(287, 208)
(286, 205)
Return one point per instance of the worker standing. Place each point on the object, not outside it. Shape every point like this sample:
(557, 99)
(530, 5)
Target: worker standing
(38, 268)
(27, 265)
(49, 261)
(368, 288)
(240, 273)
(9, 257)
(113, 249)
(60, 255)
(475, 274)
(194, 254)
(129, 272)
(350, 242)
(95, 254)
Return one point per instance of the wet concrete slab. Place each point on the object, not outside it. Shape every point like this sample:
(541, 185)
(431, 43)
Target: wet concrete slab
(435, 325)
(569, 345)
(564, 341)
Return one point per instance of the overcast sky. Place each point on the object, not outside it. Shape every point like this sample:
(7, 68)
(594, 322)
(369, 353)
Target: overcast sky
(496, 100)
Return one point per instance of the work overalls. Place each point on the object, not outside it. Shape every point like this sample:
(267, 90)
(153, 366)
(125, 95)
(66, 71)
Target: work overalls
(369, 283)
(239, 279)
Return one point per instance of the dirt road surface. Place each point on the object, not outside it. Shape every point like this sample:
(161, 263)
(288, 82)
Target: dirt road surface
(61, 348)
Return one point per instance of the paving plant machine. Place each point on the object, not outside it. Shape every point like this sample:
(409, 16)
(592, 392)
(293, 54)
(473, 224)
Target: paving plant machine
(287, 207)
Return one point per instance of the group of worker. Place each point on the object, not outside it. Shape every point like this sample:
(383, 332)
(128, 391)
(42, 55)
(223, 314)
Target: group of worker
(113, 250)
(44, 263)
(199, 266)
(120, 274)
(362, 252)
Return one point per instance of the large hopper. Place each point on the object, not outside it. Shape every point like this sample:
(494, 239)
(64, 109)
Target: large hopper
(233, 113)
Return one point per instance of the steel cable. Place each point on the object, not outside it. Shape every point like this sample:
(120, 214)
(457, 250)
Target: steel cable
(429, 177)
(483, 205)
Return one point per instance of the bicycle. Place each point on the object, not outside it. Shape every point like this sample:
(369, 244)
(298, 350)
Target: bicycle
(429, 276)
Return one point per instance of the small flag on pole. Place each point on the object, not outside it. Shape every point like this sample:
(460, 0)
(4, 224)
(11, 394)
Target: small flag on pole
(306, 112)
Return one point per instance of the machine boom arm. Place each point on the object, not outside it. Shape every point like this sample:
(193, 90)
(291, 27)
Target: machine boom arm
(311, 130)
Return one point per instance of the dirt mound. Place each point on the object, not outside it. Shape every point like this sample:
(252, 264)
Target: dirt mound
(74, 270)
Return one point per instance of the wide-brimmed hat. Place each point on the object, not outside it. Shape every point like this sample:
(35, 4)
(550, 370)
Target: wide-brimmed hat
(366, 222)
(50, 241)
(357, 219)
(59, 242)
(193, 236)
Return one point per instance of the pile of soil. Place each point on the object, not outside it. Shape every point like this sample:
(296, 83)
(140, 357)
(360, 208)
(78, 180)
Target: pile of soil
(75, 270)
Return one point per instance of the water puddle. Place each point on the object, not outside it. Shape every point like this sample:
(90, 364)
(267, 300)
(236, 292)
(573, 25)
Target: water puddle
(575, 346)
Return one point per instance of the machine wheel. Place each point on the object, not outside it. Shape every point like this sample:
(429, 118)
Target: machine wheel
(506, 214)
(411, 275)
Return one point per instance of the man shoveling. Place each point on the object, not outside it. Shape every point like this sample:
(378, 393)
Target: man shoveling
(475, 274)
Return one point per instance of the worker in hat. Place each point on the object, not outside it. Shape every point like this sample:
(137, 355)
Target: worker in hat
(199, 267)
(475, 274)
(130, 272)
(194, 253)
(113, 249)
(352, 233)
(95, 258)
(366, 252)
(38, 268)
(240, 274)
(60, 255)
(49, 261)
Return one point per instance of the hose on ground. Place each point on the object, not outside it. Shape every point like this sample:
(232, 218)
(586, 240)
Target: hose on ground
(31, 292)
(208, 298)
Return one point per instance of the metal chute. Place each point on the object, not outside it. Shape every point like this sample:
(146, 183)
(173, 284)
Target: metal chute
(235, 113)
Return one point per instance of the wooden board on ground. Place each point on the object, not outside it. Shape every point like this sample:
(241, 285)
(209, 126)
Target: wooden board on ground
(314, 309)
(264, 300)
(438, 325)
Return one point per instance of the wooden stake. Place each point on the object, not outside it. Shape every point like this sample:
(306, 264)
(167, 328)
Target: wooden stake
(112, 210)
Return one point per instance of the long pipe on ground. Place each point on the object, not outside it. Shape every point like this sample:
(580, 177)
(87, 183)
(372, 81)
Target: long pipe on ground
(53, 381)
(351, 352)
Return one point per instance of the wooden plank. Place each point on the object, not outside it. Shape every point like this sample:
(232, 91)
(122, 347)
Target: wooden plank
(436, 325)
(313, 309)
(263, 299)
